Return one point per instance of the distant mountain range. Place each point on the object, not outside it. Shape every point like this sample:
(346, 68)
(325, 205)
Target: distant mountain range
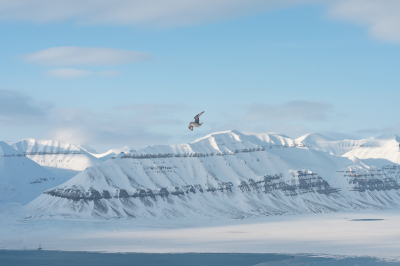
(29, 167)
(21, 179)
(231, 174)
(52, 153)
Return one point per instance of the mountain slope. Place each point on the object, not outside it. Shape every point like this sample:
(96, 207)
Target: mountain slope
(111, 153)
(319, 142)
(383, 147)
(22, 180)
(225, 174)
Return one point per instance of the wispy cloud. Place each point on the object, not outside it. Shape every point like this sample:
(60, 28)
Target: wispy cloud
(19, 109)
(131, 12)
(84, 56)
(70, 73)
(381, 16)
(153, 114)
(105, 129)
(138, 125)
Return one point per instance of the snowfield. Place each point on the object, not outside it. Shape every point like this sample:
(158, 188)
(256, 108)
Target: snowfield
(362, 233)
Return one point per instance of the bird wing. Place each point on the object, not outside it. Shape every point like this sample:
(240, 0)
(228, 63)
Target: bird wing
(196, 118)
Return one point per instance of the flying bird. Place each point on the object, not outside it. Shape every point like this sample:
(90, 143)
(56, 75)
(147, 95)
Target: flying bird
(196, 122)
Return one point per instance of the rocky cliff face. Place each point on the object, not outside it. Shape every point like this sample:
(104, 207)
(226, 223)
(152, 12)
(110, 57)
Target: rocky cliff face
(226, 174)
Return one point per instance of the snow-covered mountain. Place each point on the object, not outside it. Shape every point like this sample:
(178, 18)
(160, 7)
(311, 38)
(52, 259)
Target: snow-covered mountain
(226, 174)
(321, 143)
(57, 154)
(383, 147)
(21, 179)
(52, 153)
(112, 153)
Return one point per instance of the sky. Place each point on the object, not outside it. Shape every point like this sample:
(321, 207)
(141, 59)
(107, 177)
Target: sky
(134, 73)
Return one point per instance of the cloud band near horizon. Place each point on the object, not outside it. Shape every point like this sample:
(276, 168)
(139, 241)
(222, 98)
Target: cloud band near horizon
(379, 16)
(84, 56)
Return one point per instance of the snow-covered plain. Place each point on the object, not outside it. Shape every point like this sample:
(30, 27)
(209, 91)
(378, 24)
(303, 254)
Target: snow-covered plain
(363, 233)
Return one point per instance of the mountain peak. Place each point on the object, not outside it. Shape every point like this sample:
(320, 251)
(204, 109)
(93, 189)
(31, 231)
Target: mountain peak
(389, 140)
(313, 138)
(41, 145)
(230, 133)
(6, 149)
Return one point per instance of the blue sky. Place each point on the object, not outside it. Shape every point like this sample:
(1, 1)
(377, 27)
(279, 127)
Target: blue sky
(116, 73)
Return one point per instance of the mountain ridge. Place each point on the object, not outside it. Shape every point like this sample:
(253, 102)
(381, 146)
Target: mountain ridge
(225, 174)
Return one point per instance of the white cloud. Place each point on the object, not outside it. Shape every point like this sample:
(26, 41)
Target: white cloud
(79, 56)
(138, 125)
(129, 12)
(381, 16)
(69, 73)
(135, 125)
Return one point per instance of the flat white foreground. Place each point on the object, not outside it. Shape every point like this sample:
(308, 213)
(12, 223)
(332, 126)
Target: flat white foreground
(352, 233)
